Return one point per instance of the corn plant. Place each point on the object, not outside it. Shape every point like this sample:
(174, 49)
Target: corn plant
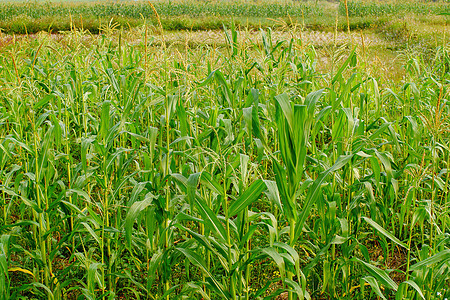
(230, 172)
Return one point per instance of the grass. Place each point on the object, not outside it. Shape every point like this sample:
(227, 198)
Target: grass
(150, 164)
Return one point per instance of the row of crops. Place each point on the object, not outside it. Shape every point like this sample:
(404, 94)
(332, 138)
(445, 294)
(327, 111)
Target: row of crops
(144, 10)
(140, 10)
(135, 171)
(35, 16)
(363, 8)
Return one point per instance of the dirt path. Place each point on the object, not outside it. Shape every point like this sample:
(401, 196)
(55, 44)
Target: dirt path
(315, 38)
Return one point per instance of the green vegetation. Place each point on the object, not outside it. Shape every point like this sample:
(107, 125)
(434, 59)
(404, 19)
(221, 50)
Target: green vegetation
(35, 16)
(139, 165)
(364, 8)
(32, 17)
(144, 10)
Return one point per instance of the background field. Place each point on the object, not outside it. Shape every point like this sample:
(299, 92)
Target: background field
(224, 150)
(34, 16)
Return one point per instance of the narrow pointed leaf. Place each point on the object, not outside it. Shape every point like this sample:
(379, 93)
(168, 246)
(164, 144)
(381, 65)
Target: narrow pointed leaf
(133, 213)
(197, 261)
(379, 274)
(249, 196)
(437, 258)
(374, 284)
(385, 232)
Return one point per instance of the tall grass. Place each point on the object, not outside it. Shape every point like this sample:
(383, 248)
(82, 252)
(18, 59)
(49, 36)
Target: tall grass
(219, 173)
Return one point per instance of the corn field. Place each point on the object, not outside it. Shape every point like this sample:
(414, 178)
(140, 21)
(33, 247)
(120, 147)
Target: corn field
(135, 170)
(140, 9)
(36, 16)
(25, 17)
(369, 8)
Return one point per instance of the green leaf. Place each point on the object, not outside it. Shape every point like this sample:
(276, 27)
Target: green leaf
(293, 253)
(191, 185)
(272, 193)
(196, 288)
(375, 287)
(289, 208)
(197, 261)
(225, 87)
(314, 192)
(209, 181)
(133, 213)
(105, 118)
(296, 287)
(439, 257)
(311, 100)
(343, 66)
(93, 276)
(286, 108)
(277, 258)
(92, 232)
(26, 201)
(379, 274)
(46, 99)
(249, 196)
(211, 220)
(414, 286)
(385, 232)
